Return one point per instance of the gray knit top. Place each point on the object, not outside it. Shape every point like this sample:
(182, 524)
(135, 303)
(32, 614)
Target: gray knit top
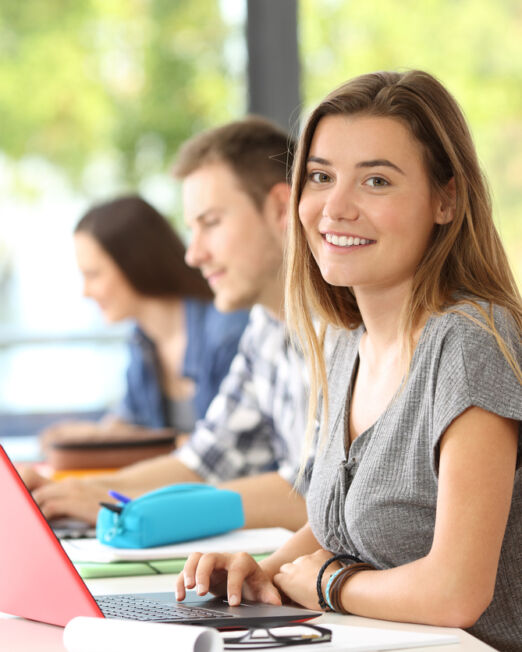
(378, 499)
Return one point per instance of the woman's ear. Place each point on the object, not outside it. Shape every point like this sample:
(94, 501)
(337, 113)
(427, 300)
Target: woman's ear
(447, 203)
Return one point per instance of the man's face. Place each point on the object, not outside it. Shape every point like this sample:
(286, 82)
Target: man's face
(238, 248)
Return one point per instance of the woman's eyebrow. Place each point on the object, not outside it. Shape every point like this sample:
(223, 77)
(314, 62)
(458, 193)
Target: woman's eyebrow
(318, 159)
(378, 162)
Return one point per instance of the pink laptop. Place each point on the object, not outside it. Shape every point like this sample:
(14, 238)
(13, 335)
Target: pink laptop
(38, 580)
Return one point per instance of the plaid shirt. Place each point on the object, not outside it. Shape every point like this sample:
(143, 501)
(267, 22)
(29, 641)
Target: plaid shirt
(256, 423)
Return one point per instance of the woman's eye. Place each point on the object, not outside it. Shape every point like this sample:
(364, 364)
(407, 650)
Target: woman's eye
(377, 182)
(319, 177)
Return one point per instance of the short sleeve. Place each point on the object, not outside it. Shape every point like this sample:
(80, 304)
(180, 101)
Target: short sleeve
(471, 370)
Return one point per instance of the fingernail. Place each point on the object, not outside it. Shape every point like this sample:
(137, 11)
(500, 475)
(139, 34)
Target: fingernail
(233, 600)
(187, 582)
(200, 589)
(175, 595)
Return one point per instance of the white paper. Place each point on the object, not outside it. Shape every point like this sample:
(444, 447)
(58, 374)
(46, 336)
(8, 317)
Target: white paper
(106, 635)
(253, 541)
(83, 634)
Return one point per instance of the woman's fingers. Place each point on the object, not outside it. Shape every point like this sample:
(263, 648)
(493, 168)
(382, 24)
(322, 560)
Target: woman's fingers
(240, 568)
(189, 570)
(247, 578)
(203, 572)
(206, 571)
(269, 594)
(186, 577)
(236, 573)
(179, 589)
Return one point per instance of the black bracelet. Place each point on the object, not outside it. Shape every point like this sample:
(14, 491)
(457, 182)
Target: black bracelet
(340, 557)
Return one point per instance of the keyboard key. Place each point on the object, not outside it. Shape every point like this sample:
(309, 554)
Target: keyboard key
(135, 608)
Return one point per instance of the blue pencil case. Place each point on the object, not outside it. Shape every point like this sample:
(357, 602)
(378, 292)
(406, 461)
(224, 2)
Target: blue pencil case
(176, 513)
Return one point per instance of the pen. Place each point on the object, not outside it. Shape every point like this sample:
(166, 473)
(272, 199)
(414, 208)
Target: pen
(123, 499)
(113, 508)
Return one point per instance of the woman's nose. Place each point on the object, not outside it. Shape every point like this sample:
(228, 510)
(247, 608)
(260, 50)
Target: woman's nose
(340, 204)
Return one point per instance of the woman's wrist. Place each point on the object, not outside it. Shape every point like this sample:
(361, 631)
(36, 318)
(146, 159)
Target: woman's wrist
(339, 587)
(328, 585)
(321, 582)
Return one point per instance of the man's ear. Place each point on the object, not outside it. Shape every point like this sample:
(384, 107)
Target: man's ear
(277, 205)
(447, 203)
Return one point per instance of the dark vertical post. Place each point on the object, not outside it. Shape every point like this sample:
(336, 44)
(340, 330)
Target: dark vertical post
(273, 60)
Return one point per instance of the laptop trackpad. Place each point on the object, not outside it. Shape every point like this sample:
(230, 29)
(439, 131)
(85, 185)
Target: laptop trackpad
(192, 599)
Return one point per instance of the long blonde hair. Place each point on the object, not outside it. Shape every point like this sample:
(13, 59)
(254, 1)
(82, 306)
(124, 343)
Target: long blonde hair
(464, 257)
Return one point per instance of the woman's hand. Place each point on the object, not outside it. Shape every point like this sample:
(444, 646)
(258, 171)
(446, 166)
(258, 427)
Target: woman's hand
(298, 580)
(234, 575)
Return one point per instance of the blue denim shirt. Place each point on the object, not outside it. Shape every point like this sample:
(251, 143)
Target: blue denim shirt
(212, 339)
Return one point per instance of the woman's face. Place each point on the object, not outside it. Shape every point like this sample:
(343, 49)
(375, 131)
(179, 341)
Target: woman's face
(103, 280)
(366, 205)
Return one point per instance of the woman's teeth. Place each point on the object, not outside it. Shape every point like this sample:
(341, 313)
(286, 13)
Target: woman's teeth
(345, 241)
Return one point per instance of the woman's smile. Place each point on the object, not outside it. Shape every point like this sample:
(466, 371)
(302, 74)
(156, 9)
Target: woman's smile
(346, 241)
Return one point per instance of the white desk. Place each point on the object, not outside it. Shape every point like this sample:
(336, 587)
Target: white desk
(19, 635)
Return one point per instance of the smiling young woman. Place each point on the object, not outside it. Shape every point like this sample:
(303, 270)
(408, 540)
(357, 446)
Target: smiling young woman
(422, 396)
(402, 298)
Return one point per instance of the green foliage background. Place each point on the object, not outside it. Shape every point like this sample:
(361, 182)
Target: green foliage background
(123, 76)
(131, 79)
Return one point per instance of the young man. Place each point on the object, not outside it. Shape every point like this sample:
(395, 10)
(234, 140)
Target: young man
(235, 202)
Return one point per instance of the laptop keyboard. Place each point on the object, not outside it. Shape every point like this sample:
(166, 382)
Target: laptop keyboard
(134, 608)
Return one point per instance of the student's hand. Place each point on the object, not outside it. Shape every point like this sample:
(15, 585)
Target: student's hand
(298, 580)
(234, 575)
(31, 478)
(71, 497)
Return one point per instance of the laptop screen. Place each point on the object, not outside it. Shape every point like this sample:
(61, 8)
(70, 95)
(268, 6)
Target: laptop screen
(37, 579)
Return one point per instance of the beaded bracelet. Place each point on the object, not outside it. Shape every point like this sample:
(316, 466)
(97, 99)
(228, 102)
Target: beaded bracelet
(340, 579)
(328, 585)
(341, 557)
